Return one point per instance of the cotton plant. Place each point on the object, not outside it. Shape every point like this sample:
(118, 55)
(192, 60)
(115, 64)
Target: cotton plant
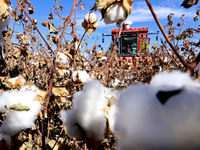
(161, 115)
(21, 110)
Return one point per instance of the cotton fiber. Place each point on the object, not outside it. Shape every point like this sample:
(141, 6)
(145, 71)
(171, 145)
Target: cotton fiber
(140, 120)
(21, 109)
(82, 76)
(87, 112)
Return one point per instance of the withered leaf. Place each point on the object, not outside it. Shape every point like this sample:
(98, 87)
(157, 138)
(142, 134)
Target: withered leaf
(50, 16)
(60, 91)
(19, 107)
(52, 28)
(82, 7)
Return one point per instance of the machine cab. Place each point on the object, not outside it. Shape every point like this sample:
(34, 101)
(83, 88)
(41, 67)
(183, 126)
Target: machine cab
(132, 41)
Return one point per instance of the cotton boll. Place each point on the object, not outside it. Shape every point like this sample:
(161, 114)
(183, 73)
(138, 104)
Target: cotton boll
(141, 121)
(17, 81)
(69, 119)
(17, 120)
(62, 59)
(83, 76)
(20, 120)
(172, 80)
(134, 118)
(89, 106)
(182, 109)
(87, 112)
(115, 14)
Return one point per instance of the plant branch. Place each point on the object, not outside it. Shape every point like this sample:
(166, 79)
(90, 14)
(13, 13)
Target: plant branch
(49, 47)
(165, 35)
(52, 70)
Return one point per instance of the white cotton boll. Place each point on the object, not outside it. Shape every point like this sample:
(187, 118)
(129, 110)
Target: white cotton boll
(140, 121)
(83, 76)
(181, 110)
(115, 14)
(69, 119)
(6, 99)
(18, 80)
(134, 118)
(19, 120)
(182, 115)
(88, 106)
(172, 80)
(62, 59)
(126, 25)
(102, 58)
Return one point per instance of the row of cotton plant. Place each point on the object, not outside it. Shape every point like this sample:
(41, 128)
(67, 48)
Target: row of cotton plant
(162, 114)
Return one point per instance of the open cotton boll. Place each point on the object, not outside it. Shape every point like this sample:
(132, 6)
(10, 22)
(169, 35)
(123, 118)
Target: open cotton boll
(141, 121)
(174, 80)
(62, 59)
(17, 81)
(135, 119)
(69, 119)
(182, 109)
(83, 76)
(115, 14)
(18, 119)
(87, 112)
(88, 106)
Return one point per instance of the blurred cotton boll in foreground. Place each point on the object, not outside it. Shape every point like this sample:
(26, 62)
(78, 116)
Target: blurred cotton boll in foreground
(21, 109)
(87, 112)
(161, 115)
(5, 17)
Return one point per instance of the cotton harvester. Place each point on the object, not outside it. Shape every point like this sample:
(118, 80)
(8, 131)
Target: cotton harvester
(132, 43)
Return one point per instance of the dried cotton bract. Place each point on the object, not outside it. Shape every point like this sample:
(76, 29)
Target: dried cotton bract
(21, 110)
(5, 17)
(90, 23)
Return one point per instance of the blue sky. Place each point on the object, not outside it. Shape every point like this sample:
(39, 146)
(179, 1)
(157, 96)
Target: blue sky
(141, 16)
